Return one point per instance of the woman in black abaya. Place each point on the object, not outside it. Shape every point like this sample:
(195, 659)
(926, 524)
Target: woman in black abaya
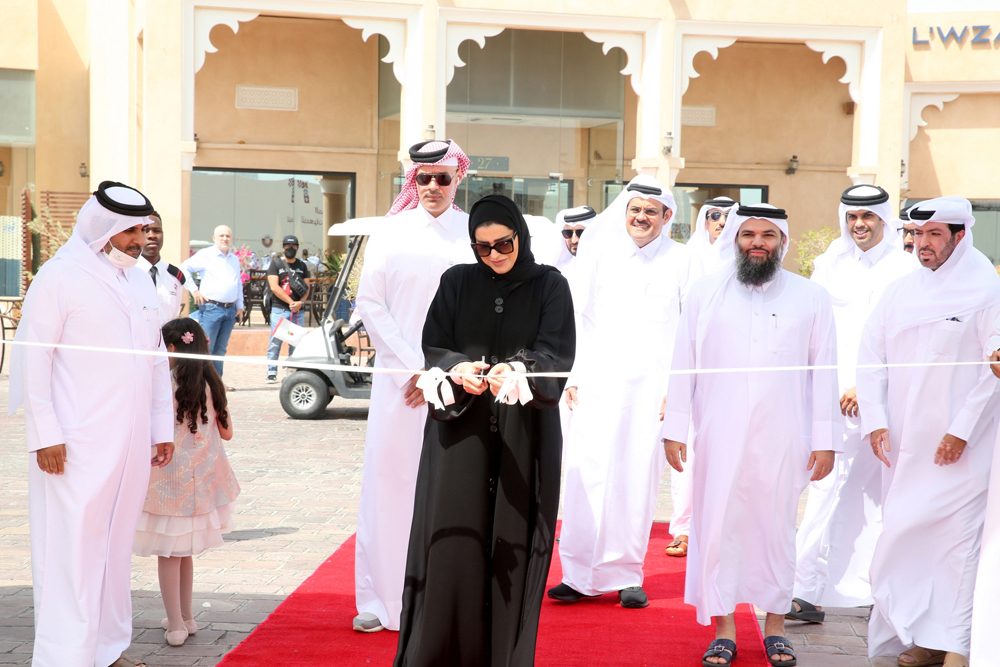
(487, 492)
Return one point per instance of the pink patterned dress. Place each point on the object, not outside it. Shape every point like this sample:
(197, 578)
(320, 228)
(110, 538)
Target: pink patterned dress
(189, 503)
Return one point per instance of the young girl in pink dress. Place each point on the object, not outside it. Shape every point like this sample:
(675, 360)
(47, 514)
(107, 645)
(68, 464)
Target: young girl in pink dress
(190, 500)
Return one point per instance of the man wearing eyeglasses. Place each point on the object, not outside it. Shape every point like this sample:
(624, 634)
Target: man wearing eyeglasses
(633, 279)
(423, 235)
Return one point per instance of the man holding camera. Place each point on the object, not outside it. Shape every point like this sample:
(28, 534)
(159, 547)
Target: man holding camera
(288, 280)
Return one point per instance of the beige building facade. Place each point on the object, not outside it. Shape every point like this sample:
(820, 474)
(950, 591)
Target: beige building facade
(287, 116)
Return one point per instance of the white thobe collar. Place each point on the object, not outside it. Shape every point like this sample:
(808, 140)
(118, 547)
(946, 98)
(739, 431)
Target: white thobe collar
(871, 256)
(115, 271)
(760, 289)
(447, 220)
(648, 251)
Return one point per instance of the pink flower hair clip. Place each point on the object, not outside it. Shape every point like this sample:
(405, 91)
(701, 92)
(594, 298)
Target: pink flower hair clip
(187, 337)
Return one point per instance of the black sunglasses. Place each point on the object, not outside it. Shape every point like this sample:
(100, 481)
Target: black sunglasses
(714, 215)
(568, 233)
(504, 247)
(444, 180)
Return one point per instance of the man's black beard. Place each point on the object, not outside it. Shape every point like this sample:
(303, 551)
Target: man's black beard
(755, 272)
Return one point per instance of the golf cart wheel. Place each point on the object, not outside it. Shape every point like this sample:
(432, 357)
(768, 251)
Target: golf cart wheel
(304, 395)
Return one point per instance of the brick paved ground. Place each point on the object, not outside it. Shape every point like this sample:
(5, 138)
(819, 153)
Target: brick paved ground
(300, 485)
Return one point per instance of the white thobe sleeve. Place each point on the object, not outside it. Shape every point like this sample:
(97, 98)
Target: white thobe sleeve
(873, 383)
(587, 345)
(827, 423)
(161, 418)
(978, 399)
(44, 324)
(681, 387)
(390, 345)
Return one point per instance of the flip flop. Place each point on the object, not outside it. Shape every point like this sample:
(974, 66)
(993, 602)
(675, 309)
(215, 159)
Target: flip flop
(929, 657)
(807, 612)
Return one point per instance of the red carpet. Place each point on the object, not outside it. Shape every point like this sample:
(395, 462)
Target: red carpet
(312, 627)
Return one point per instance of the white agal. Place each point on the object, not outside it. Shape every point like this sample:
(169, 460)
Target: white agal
(403, 266)
(843, 516)
(108, 409)
(753, 431)
(612, 458)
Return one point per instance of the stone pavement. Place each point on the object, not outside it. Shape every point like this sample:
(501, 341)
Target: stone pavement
(300, 483)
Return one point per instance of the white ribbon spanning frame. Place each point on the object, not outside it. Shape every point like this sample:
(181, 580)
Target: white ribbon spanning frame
(401, 371)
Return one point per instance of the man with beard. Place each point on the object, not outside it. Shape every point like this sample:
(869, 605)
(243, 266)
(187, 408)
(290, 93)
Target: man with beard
(92, 411)
(843, 515)
(169, 279)
(934, 428)
(634, 280)
(424, 235)
(757, 435)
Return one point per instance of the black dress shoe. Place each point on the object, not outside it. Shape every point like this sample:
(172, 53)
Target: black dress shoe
(564, 593)
(633, 597)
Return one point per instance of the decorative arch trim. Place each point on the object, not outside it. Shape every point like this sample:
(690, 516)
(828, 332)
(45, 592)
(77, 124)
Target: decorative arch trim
(629, 42)
(850, 53)
(393, 31)
(206, 18)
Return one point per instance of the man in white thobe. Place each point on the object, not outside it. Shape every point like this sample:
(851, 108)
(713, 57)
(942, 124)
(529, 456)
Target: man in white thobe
(91, 419)
(934, 428)
(634, 284)
(708, 226)
(843, 515)
(757, 434)
(424, 235)
(571, 223)
(985, 615)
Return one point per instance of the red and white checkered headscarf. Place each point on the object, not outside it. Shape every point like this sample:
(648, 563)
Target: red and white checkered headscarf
(455, 156)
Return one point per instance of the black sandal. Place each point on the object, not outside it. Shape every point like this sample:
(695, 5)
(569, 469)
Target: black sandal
(776, 645)
(807, 612)
(716, 649)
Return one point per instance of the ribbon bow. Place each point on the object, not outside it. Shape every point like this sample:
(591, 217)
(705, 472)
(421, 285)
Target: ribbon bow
(515, 387)
(437, 388)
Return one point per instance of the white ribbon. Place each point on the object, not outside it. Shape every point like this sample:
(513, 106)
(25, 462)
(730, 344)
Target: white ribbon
(515, 387)
(433, 380)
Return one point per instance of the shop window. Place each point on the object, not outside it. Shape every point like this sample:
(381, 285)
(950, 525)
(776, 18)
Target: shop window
(261, 207)
(542, 115)
(986, 233)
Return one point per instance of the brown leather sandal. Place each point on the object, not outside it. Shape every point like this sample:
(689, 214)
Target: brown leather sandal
(679, 547)
(955, 660)
(922, 657)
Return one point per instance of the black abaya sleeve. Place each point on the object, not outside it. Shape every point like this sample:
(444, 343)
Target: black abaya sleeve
(439, 344)
(555, 345)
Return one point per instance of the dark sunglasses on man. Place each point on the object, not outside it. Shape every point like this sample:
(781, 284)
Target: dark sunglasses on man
(715, 216)
(504, 247)
(444, 180)
(568, 233)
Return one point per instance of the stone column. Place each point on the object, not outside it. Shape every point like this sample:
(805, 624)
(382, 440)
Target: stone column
(336, 192)
(110, 79)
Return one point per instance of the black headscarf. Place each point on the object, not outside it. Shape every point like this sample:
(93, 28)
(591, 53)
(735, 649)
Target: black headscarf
(502, 210)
